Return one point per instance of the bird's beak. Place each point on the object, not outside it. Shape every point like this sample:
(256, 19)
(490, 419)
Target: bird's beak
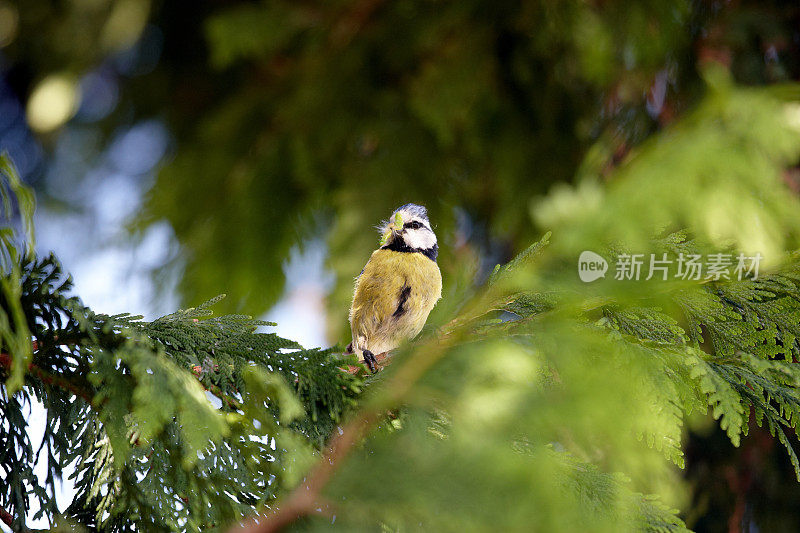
(394, 229)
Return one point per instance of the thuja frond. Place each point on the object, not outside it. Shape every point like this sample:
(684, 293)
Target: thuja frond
(739, 341)
(128, 405)
(645, 323)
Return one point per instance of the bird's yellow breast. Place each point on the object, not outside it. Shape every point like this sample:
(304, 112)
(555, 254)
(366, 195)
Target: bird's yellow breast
(392, 299)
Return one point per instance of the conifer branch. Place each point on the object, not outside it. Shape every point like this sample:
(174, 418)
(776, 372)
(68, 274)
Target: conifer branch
(51, 379)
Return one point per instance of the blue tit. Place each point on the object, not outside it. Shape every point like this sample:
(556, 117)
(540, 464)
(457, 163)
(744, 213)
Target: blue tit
(398, 286)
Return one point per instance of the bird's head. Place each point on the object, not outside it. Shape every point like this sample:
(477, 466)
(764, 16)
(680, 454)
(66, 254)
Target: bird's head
(408, 227)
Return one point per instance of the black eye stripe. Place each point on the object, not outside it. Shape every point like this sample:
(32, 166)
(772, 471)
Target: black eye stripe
(413, 225)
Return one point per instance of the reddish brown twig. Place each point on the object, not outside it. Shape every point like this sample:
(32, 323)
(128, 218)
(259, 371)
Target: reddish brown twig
(62, 383)
(6, 517)
(50, 379)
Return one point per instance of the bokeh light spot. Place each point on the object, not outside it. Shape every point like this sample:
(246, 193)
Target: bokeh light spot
(53, 102)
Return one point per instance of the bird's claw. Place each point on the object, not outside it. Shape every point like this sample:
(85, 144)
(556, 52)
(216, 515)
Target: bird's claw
(371, 362)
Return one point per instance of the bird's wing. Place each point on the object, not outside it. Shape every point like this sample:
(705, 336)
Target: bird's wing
(381, 291)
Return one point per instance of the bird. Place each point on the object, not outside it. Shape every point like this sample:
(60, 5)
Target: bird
(398, 287)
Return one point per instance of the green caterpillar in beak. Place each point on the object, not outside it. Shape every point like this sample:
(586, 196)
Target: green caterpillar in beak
(398, 223)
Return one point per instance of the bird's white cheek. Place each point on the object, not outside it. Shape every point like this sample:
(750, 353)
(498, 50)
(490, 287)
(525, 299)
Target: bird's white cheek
(420, 239)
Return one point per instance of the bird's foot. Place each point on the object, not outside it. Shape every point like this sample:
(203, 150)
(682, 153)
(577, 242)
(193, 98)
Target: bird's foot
(371, 362)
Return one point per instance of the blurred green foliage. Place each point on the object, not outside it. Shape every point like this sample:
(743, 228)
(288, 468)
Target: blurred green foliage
(350, 109)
